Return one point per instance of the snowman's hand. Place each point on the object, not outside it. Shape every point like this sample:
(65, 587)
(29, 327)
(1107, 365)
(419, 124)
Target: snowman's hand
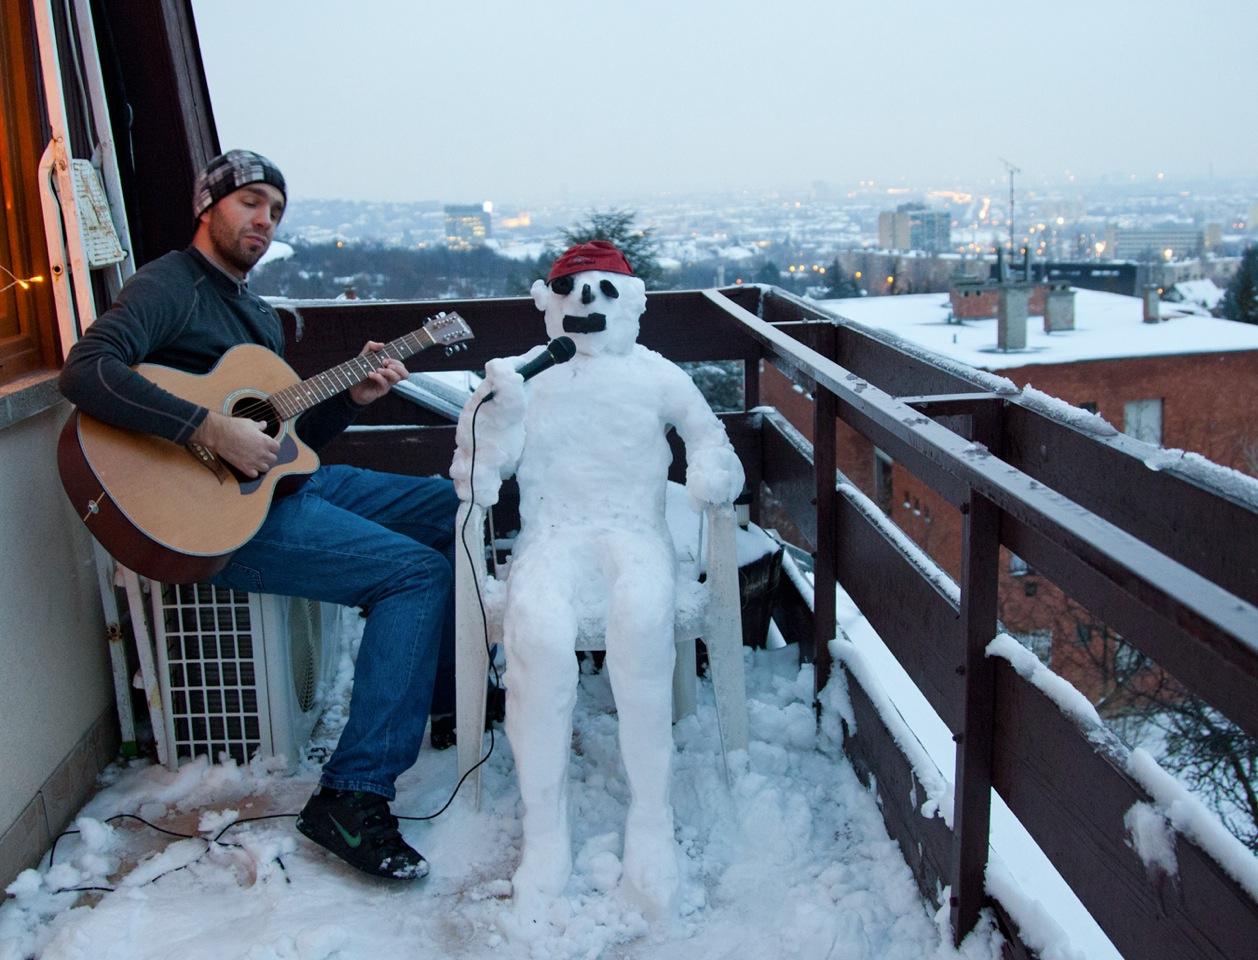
(503, 387)
(490, 434)
(713, 475)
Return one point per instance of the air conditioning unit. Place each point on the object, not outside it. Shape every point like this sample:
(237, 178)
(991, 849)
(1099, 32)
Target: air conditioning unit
(242, 674)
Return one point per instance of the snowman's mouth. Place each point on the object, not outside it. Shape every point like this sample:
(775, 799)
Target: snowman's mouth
(593, 323)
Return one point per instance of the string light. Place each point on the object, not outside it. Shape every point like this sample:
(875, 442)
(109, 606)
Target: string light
(17, 281)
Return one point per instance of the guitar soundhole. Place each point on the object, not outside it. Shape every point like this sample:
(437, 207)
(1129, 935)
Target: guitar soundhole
(255, 408)
(258, 408)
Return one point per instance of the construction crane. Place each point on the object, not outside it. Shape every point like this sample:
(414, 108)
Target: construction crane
(1012, 170)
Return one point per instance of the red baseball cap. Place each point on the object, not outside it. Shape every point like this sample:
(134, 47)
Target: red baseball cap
(595, 255)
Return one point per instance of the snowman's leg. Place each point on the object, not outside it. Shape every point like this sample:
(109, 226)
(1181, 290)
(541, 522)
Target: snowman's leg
(640, 656)
(539, 634)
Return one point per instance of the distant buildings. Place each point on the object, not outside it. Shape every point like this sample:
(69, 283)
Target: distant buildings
(468, 225)
(880, 272)
(914, 226)
(1173, 243)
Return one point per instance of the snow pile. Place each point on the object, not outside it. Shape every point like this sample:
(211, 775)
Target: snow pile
(1068, 413)
(791, 860)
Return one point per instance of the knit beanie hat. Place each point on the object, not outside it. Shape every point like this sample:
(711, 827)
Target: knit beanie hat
(595, 255)
(229, 172)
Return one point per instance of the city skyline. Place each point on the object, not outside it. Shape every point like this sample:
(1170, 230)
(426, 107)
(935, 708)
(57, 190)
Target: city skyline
(389, 101)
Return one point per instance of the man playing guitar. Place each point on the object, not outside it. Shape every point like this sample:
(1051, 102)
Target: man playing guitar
(359, 538)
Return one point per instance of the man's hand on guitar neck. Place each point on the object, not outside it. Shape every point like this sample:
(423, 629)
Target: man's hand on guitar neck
(380, 381)
(242, 443)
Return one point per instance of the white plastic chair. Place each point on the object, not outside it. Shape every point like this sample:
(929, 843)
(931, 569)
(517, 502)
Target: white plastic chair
(710, 610)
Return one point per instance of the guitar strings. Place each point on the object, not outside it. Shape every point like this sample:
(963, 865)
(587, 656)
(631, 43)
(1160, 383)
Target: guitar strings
(263, 408)
(271, 407)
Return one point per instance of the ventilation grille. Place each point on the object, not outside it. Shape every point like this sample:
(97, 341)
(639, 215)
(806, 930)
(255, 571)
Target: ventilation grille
(306, 636)
(242, 674)
(212, 671)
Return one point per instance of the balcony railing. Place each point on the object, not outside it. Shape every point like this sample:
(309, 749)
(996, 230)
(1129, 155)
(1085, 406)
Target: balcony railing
(1164, 557)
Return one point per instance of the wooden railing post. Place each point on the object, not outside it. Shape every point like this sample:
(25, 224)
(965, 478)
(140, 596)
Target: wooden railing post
(825, 408)
(973, 787)
(972, 790)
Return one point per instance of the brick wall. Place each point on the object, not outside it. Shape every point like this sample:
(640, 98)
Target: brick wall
(980, 302)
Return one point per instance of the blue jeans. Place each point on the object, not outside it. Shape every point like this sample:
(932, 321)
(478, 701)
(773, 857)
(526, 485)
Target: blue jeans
(383, 542)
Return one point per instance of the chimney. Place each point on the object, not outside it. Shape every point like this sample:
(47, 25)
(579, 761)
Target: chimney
(1059, 309)
(1152, 304)
(1011, 314)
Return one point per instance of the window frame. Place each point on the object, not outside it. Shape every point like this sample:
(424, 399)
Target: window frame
(1145, 417)
(28, 317)
(883, 481)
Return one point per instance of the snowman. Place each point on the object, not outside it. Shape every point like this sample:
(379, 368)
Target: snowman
(586, 440)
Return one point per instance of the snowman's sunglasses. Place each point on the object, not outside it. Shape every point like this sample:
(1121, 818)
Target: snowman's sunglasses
(565, 284)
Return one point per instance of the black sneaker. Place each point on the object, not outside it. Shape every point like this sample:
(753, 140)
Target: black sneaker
(441, 735)
(441, 731)
(359, 829)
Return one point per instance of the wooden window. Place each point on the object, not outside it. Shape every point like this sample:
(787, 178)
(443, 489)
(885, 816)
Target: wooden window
(27, 314)
(883, 493)
(1142, 419)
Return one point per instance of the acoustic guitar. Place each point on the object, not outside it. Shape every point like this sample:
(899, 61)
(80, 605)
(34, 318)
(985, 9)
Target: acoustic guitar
(177, 513)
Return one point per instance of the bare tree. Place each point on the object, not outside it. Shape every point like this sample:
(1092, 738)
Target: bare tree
(1142, 702)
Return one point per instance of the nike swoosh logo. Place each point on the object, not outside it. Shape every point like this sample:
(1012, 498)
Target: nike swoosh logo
(353, 839)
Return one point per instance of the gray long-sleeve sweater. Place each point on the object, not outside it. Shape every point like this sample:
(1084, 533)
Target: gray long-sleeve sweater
(180, 311)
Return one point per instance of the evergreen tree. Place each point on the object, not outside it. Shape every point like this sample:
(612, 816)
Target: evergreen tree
(639, 246)
(840, 285)
(1240, 302)
(768, 273)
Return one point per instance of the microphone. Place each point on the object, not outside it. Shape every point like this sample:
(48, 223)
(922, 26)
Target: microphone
(559, 350)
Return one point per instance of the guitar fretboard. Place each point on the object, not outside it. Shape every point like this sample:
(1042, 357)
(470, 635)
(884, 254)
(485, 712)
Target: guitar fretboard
(295, 399)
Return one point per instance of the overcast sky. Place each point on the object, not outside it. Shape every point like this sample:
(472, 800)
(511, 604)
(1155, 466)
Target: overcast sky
(471, 100)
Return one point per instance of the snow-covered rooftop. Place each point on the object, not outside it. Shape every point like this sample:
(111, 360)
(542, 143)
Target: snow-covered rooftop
(1107, 326)
(1203, 292)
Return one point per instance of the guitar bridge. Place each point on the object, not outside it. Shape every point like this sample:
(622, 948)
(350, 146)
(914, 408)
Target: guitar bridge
(209, 461)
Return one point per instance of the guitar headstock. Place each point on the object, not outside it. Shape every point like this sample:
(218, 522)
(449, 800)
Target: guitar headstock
(447, 329)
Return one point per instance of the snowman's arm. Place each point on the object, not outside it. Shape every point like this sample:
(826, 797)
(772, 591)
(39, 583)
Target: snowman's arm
(489, 438)
(714, 474)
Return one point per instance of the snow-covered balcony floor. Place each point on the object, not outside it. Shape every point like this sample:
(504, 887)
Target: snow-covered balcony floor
(792, 861)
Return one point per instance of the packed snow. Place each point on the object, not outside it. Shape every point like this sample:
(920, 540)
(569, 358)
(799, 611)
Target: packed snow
(790, 860)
